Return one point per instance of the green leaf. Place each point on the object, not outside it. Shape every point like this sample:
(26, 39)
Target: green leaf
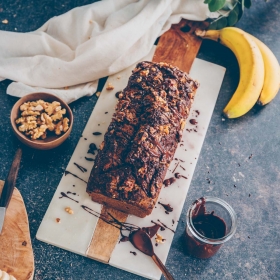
(221, 23)
(233, 16)
(207, 1)
(247, 3)
(213, 25)
(216, 5)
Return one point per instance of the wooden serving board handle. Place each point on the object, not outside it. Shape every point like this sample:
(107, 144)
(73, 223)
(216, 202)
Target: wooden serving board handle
(16, 254)
(179, 47)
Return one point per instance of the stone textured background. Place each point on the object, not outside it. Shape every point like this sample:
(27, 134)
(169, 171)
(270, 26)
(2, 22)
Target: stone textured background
(254, 251)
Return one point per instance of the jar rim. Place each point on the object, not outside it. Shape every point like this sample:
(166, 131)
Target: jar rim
(201, 237)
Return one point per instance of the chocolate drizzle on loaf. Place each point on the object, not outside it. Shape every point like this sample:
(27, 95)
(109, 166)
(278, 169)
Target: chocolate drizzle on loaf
(142, 138)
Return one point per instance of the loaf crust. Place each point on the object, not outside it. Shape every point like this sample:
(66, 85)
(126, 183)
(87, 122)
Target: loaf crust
(142, 138)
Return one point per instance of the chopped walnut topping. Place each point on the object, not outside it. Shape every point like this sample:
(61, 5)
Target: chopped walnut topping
(39, 116)
(182, 123)
(101, 145)
(98, 93)
(110, 86)
(144, 73)
(57, 220)
(5, 21)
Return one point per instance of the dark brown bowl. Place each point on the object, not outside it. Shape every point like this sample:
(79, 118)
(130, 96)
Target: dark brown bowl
(51, 141)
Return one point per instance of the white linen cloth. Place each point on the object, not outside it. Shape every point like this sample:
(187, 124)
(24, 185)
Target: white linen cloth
(70, 52)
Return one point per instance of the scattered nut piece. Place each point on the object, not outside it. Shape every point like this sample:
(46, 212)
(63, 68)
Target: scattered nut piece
(69, 210)
(118, 77)
(5, 21)
(110, 86)
(98, 93)
(159, 238)
(57, 220)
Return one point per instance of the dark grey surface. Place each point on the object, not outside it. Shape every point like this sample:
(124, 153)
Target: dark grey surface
(254, 251)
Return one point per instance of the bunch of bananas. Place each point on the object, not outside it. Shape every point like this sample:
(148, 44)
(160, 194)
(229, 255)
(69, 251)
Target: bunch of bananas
(259, 69)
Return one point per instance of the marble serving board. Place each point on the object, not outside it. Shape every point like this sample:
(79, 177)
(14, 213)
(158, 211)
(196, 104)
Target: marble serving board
(74, 232)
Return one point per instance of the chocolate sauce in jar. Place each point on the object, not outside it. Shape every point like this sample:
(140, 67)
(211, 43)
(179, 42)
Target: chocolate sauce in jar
(205, 230)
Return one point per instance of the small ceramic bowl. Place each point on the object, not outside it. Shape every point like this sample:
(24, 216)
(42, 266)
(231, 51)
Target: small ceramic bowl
(52, 140)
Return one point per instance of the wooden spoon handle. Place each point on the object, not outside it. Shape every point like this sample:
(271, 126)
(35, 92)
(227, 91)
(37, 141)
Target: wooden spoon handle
(162, 267)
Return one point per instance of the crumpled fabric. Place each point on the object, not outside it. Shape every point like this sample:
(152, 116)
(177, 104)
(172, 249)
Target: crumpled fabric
(70, 52)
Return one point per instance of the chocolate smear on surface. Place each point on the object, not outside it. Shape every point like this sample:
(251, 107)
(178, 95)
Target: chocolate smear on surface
(197, 112)
(134, 253)
(151, 231)
(167, 207)
(89, 159)
(182, 167)
(92, 148)
(96, 133)
(168, 182)
(63, 194)
(68, 172)
(193, 121)
(124, 239)
(166, 226)
(80, 167)
(178, 176)
(175, 167)
(72, 193)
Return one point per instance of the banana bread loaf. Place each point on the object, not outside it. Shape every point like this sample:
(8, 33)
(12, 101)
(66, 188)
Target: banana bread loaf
(142, 138)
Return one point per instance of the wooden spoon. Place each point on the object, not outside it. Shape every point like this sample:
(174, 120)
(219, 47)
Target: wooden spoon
(141, 241)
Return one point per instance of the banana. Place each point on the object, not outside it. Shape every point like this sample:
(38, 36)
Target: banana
(272, 73)
(251, 66)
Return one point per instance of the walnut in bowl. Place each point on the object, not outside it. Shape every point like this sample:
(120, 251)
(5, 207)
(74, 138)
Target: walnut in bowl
(41, 120)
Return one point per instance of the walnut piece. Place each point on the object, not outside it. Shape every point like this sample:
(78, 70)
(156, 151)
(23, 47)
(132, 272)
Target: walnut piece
(38, 117)
(110, 86)
(69, 210)
(159, 238)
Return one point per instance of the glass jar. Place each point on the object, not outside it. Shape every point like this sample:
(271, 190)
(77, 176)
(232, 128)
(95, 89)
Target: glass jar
(210, 223)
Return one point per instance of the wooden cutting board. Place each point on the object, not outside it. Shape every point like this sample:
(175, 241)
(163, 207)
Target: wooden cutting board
(16, 254)
(179, 47)
(85, 234)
